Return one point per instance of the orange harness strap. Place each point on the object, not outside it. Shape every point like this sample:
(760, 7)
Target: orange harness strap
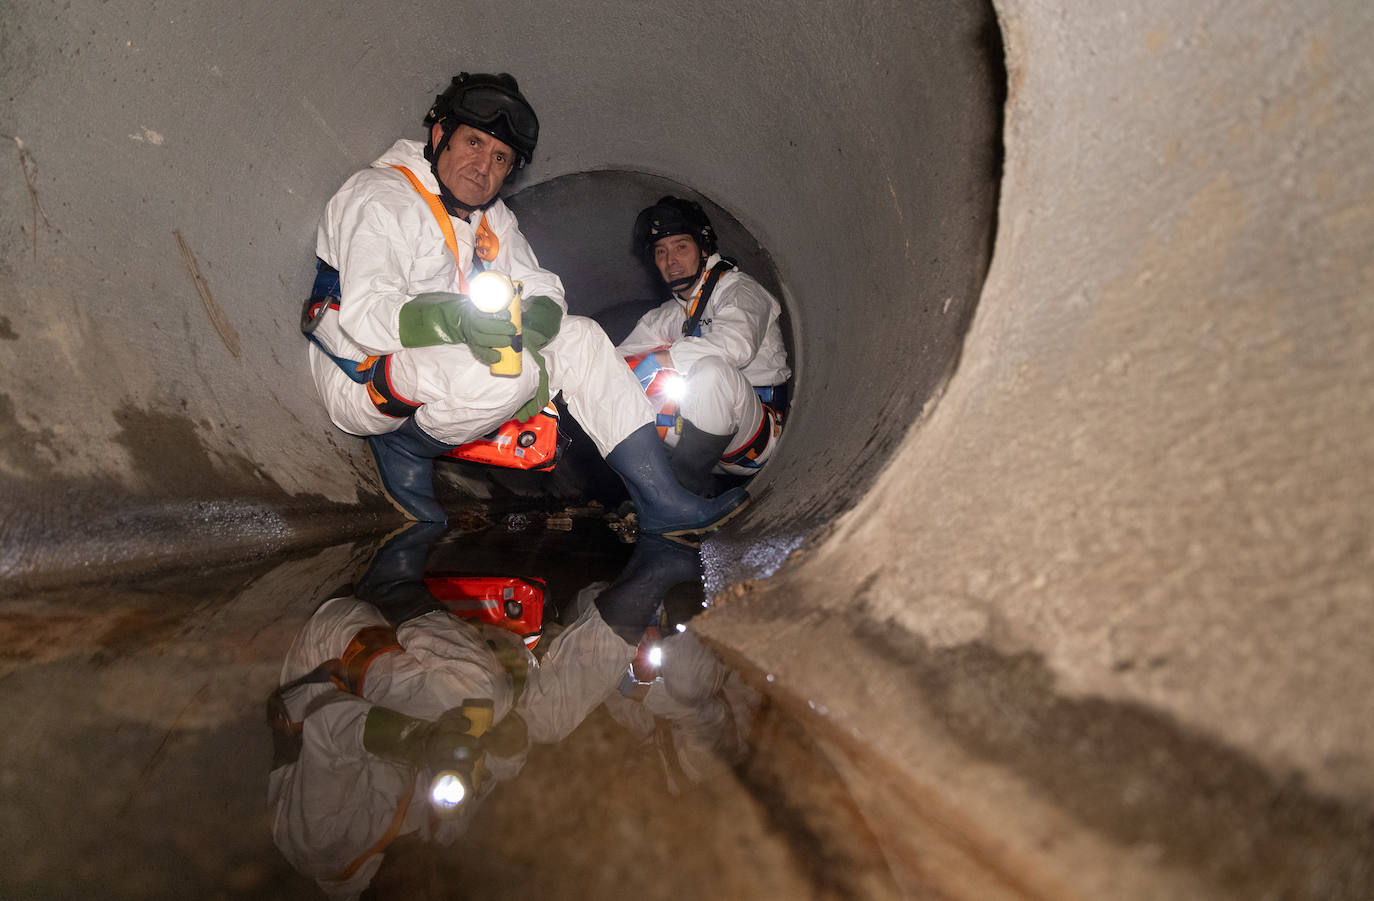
(381, 844)
(365, 646)
(488, 245)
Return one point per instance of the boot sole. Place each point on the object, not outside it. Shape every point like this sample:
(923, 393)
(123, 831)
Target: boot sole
(411, 518)
(386, 493)
(679, 534)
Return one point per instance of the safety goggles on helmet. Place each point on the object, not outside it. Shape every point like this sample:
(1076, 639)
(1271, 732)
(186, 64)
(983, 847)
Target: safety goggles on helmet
(483, 107)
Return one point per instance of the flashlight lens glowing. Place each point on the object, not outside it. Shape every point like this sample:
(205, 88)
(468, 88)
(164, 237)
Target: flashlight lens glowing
(447, 791)
(675, 388)
(491, 292)
(656, 656)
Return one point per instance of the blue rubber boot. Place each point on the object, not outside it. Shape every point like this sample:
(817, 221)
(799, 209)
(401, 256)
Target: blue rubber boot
(395, 580)
(405, 461)
(695, 456)
(632, 601)
(665, 507)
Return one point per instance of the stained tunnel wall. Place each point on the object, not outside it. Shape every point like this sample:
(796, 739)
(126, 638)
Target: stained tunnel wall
(1145, 483)
(153, 140)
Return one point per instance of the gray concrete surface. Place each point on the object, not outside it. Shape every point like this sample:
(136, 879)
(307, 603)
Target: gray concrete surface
(1137, 494)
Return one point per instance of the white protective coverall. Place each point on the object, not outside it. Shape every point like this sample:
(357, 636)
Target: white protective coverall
(338, 806)
(740, 347)
(382, 237)
(698, 711)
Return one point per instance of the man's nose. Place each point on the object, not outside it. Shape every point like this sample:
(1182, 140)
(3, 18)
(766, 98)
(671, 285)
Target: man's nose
(483, 163)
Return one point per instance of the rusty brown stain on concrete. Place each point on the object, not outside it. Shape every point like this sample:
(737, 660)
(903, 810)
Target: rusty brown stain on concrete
(1013, 42)
(37, 633)
(1173, 151)
(1280, 114)
(30, 168)
(226, 330)
(1316, 54)
(1353, 217)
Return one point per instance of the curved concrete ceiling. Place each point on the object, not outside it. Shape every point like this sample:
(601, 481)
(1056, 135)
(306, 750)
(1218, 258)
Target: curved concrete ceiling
(1135, 501)
(175, 159)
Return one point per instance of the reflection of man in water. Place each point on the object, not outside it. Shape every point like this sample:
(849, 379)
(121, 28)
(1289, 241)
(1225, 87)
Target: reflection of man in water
(369, 688)
(697, 713)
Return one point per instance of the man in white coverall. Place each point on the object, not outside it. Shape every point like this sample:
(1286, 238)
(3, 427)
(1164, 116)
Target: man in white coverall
(720, 330)
(368, 711)
(697, 712)
(401, 355)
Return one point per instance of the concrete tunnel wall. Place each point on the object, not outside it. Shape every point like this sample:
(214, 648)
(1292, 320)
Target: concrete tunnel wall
(153, 139)
(1126, 546)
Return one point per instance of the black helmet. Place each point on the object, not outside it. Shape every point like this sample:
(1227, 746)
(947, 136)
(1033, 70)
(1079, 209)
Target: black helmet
(673, 216)
(489, 103)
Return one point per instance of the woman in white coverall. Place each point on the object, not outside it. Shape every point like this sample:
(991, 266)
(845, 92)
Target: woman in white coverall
(401, 355)
(719, 329)
(365, 715)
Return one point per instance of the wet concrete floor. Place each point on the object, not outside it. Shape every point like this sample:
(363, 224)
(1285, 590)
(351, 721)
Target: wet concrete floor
(135, 758)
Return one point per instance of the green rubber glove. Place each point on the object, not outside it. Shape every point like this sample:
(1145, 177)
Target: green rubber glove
(443, 318)
(540, 319)
(445, 742)
(541, 394)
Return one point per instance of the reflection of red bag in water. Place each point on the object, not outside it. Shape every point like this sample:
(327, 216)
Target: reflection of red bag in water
(532, 444)
(509, 602)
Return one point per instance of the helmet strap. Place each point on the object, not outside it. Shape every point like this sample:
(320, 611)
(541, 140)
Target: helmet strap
(687, 281)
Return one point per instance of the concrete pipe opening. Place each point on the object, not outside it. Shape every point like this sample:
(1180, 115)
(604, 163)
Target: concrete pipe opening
(1062, 574)
(861, 158)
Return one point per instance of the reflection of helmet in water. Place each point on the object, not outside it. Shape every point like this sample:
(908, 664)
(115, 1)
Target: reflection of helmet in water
(673, 216)
(489, 103)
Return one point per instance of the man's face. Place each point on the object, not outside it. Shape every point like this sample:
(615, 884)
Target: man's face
(473, 165)
(678, 258)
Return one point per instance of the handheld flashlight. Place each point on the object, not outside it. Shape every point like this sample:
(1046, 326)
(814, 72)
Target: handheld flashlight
(492, 292)
(446, 792)
(463, 768)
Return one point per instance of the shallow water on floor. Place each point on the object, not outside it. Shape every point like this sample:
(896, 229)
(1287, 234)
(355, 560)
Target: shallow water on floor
(137, 761)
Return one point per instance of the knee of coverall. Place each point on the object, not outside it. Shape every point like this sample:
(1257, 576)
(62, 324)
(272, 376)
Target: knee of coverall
(462, 399)
(691, 673)
(347, 402)
(601, 392)
(719, 399)
(327, 633)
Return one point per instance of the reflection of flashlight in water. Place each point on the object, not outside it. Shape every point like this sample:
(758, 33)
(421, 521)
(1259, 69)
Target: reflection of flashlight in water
(491, 292)
(446, 792)
(675, 388)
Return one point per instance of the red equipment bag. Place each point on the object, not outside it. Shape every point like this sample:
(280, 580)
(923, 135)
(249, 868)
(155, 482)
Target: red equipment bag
(508, 602)
(531, 444)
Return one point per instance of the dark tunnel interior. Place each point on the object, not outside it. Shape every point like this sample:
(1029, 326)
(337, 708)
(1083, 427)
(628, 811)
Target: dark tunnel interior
(866, 205)
(1057, 587)
(823, 172)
